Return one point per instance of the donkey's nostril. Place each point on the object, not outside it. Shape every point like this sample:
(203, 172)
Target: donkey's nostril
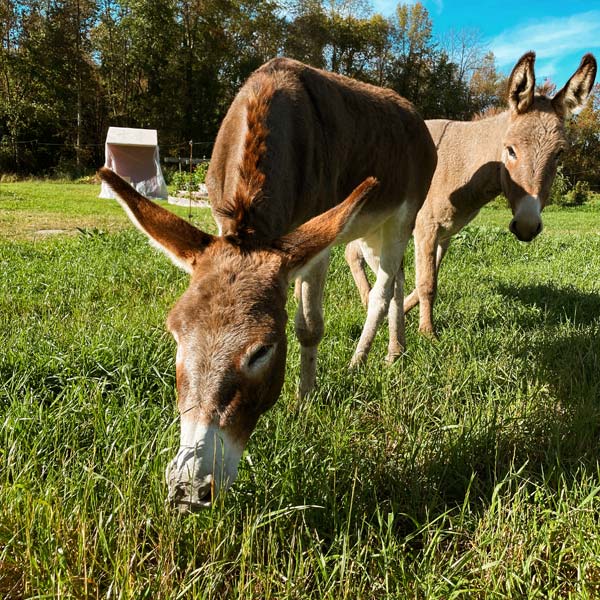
(207, 497)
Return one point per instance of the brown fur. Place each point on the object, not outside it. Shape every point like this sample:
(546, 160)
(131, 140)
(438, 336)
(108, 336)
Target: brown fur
(251, 180)
(325, 135)
(175, 235)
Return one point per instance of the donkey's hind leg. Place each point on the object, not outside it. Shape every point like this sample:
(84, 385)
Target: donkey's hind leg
(411, 301)
(360, 253)
(309, 321)
(391, 252)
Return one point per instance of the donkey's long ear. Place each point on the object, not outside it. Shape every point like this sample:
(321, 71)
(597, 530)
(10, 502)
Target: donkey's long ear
(521, 84)
(180, 241)
(303, 244)
(573, 96)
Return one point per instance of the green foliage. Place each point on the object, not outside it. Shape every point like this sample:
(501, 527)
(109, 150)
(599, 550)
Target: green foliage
(184, 180)
(579, 194)
(582, 159)
(68, 70)
(560, 187)
(563, 193)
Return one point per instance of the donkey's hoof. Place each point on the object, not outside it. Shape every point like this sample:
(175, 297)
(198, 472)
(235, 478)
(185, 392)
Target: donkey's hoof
(304, 393)
(429, 333)
(358, 360)
(392, 357)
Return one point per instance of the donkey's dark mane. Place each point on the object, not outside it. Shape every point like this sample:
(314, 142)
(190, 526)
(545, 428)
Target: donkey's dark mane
(250, 187)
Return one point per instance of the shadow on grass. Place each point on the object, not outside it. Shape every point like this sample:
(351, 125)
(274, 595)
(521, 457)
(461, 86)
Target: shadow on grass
(557, 436)
(558, 304)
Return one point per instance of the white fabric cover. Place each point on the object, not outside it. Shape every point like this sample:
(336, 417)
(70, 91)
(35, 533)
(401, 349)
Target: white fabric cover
(133, 154)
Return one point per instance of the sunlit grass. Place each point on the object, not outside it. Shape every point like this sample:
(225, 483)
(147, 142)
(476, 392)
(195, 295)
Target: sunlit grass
(31, 210)
(468, 469)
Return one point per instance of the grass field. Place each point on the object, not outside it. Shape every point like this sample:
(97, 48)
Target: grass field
(469, 469)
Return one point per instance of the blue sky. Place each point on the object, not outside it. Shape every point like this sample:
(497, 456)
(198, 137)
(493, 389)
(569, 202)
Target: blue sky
(559, 32)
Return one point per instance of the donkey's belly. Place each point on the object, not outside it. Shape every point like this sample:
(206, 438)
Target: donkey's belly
(368, 222)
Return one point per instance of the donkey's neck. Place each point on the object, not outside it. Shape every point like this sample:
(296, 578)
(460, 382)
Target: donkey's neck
(469, 160)
(486, 144)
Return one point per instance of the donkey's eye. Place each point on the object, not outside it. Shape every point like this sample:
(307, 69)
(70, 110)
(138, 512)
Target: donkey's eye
(261, 352)
(559, 154)
(511, 152)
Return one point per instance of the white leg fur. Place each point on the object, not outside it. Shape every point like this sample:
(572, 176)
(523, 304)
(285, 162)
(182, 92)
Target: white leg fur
(390, 260)
(397, 341)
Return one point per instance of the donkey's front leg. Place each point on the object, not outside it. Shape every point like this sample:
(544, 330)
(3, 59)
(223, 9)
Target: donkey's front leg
(309, 320)
(426, 275)
(396, 320)
(390, 259)
(397, 341)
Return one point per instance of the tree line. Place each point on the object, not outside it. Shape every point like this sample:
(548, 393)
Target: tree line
(71, 68)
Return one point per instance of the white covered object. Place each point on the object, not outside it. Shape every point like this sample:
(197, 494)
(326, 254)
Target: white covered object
(133, 154)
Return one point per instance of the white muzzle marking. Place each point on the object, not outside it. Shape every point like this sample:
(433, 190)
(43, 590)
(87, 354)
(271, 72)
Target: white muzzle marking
(206, 463)
(527, 221)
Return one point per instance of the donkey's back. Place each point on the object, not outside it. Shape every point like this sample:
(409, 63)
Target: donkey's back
(314, 136)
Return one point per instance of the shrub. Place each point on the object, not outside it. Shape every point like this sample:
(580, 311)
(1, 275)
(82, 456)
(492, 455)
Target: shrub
(579, 195)
(200, 173)
(8, 177)
(565, 194)
(560, 187)
(179, 180)
(183, 180)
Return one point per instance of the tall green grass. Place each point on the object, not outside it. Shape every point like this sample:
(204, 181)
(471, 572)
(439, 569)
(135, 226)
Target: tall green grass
(468, 469)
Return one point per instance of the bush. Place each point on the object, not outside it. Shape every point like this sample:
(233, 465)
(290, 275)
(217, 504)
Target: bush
(560, 187)
(183, 180)
(579, 195)
(200, 173)
(565, 194)
(8, 177)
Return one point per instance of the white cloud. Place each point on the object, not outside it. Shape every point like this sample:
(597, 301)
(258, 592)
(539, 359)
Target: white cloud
(388, 7)
(547, 69)
(551, 38)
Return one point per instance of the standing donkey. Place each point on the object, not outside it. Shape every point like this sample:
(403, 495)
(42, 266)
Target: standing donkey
(515, 153)
(295, 142)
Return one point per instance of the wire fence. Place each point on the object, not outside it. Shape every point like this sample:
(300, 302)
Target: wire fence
(74, 146)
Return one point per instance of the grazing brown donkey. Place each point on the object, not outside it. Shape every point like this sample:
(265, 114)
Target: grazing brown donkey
(295, 142)
(515, 153)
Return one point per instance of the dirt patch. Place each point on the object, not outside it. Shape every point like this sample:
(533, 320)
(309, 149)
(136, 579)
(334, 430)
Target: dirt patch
(52, 231)
(196, 202)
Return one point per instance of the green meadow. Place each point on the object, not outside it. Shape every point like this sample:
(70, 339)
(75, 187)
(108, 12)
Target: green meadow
(468, 469)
